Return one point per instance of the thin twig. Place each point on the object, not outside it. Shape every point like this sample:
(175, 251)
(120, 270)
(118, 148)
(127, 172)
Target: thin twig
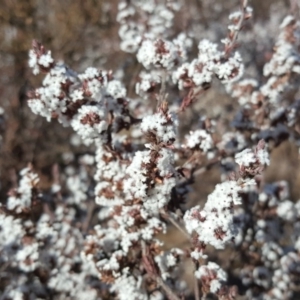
(207, 167)
(90, 212)
(196, 289)
(238, 26)
(169, 292)
(175, 223)
(162, 96)
(150, 268)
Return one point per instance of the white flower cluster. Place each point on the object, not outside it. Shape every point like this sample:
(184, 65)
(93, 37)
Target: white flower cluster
(285, 60)
(108, 249)
(276, 271)
(249, 158)
(83, 101)
(162, 53)
(210, 62)
(283, 277)
(143, 168)
(244, 91)
(134, 194)
(286, 57)
(245, 158)
(270, 98)
(162, 126)
(168, 261)
(214, 224)
(11, 233)
(157, 195)
(109, 175)
(200, 139)
(147, 82)
(52, 99)
(212, 275)
(21, 198)
(95, 82)
(134, 27)
(48, 247)
(38, 60)
(90, 122)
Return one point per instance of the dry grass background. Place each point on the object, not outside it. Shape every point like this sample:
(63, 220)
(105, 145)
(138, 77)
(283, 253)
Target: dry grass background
(85, 33)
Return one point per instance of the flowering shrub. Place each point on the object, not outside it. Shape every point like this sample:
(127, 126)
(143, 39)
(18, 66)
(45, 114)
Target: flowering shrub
(98, 235)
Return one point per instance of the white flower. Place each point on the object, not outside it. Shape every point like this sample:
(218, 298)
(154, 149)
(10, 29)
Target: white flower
(200, 139)
(159, 53)
(263, 156)
(245, 158)
(90, 122)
